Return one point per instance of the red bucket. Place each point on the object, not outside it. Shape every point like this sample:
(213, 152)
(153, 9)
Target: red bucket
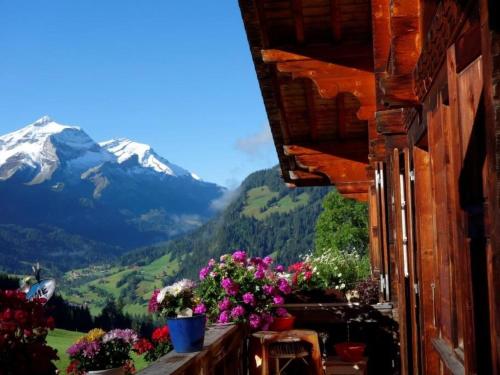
(283, 323)
(350, 351)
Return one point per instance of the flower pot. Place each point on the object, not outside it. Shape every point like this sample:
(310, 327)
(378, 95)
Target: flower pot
(110, 371)
(350, 351)
(283, 323)
(187, 333)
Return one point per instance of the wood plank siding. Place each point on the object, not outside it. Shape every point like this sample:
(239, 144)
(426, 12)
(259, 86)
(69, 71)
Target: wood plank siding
(397, 103)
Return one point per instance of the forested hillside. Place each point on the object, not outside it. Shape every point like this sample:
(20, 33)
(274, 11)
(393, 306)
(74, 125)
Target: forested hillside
(266, 217)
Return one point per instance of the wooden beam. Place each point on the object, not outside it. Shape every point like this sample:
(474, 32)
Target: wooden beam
(311, 110)
(262, 20)
(391, 121)
(335, 17)
(299, 21)
(341, 122)
(355, 55)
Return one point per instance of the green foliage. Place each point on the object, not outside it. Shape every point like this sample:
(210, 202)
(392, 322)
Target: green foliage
(342, 226)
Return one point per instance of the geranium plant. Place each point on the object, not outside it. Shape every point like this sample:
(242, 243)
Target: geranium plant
(242, 289)
(158, 346)
(98, 350)
(173, 300)
(23, 332)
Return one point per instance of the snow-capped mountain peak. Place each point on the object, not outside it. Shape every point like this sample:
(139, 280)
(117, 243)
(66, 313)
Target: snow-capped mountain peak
(41, 147)
(124, 149)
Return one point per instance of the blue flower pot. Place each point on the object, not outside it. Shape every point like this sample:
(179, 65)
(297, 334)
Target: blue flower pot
(187, 334)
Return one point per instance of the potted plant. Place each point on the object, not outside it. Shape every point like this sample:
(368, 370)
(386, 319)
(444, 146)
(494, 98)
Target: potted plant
(242, 289)
(158, 346)
(102, 353)
(186, 323)
(23, 332)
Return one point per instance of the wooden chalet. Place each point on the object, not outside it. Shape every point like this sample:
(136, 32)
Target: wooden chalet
(397, 103)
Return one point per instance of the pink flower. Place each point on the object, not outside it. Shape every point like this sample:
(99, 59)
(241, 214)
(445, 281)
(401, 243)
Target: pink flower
(284, 286)
(237, 311)
(224, 317)
(240, 256)
(259, 274)
(267, 261)
(280, 311)
(200, 309)
(307, 275)
(278, 300)
(268, 289)
(249, 298)
(279, 268)
(225, 304)
(211, 262)
(153, 303)
(254, 321)
(204, 273)
(230, 286)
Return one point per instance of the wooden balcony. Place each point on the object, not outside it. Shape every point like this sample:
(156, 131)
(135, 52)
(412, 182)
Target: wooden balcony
(223, 353)
(225, 350)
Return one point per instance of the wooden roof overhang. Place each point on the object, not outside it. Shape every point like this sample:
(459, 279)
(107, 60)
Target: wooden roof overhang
(314, 62)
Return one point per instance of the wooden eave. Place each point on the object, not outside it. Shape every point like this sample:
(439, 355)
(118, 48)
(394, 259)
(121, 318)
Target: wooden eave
(314, 62)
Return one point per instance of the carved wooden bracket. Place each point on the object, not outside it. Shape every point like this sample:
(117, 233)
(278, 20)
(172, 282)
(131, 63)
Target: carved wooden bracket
(329, 78)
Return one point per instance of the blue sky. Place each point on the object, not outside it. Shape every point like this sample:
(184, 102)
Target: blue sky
(176, 75)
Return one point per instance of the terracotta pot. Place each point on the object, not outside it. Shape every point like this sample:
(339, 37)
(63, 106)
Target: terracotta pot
(110, 371)
(350, 351)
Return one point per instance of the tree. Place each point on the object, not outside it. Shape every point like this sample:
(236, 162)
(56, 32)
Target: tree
(342, 225)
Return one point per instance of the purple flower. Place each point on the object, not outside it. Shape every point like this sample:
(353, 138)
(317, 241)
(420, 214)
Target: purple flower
(127, 335)
(230, 286)
(280, 311)
(225, 304)
(224, 317)
(90, 349)
(204, 272)
(200, 309)
(240, 256)
(268, 289)
(267, 261)
(279, 268)
(284, 286)
(278, 300)
(238, 311)
(254, 321)
(249, 298)
(75, 348)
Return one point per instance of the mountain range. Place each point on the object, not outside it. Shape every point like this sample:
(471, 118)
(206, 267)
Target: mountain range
(67, 199)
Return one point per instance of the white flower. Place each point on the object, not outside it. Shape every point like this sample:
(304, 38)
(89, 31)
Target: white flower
(342, 286)
(184, 313)
(161, 296)
(339, 275)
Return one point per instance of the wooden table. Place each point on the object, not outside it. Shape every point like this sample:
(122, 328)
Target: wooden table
(259, 349)
(223, 353)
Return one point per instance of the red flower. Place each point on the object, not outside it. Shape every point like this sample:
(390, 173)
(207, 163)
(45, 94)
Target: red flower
(73, 368)
(142, 346)
(21, 316)
(161, 334)
(51, 324)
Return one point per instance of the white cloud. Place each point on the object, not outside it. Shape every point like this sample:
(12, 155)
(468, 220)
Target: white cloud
(225, 200)
(256, 145)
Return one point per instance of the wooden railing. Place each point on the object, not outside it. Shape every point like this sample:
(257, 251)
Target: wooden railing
(223, 353)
